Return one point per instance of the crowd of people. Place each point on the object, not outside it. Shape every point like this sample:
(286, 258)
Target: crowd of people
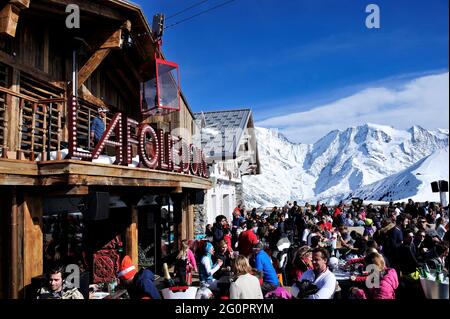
(298, 251)
(402, 241)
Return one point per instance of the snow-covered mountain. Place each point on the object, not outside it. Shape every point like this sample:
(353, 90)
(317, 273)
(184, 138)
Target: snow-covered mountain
(340, 163)
(413, 182)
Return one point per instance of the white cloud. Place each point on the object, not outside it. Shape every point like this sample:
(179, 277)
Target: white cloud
(423, 101)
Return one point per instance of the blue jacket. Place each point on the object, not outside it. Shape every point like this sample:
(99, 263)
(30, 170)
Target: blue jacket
(264, 264)
(98, 127)
(144, 285)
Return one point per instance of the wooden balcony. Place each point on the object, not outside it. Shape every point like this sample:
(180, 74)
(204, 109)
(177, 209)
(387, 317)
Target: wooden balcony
(82, 173)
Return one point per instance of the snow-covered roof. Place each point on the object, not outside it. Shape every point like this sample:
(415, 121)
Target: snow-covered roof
(222, 131)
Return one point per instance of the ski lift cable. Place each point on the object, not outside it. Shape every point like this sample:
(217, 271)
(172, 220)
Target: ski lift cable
(186, 9)
(200, 13)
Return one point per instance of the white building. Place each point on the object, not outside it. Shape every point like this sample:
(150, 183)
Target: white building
(229, 142)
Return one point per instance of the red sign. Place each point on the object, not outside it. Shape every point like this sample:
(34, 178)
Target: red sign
(156, 149)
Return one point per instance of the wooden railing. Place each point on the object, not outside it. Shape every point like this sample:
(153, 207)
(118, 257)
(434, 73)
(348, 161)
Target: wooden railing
(40, 128)
(39, 125)
(3, 81)
(86, 114)
(33, 119)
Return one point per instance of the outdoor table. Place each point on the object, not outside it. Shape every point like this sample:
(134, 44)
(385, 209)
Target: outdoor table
(343, 277)
(433, 289)
(118, 294)
(179, 292)
(98, 295)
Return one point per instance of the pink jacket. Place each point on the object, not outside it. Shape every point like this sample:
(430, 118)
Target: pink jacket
(388, 285)
(191, 261)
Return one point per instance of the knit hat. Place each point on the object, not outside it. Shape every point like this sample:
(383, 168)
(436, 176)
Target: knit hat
(208, 247)
(127, 269)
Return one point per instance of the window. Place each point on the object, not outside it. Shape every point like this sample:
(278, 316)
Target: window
(161, 93)
(168, 246)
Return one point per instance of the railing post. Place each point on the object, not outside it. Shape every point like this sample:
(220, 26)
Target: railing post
(44, 133)
(49, 131)
(58, 142)
(33, 128)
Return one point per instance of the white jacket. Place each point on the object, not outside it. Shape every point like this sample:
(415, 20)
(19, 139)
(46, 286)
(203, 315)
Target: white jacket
(246, 287)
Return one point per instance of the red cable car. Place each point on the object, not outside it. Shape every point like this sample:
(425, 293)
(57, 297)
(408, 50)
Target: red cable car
(160, 94)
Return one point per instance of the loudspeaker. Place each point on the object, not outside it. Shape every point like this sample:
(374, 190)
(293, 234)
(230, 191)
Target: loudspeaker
(443, 186)
(198, 197)
(97, 206)
(435, 187)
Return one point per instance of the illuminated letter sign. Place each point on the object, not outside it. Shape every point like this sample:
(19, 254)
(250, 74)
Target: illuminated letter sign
(157, 150)
(150, 157)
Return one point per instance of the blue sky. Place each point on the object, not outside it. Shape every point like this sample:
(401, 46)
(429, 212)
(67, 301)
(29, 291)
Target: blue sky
(291, 57)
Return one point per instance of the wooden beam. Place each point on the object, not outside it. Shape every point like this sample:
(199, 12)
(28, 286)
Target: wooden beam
(13, 110)
(3, 244)
(132, 236)
(16, 180)
(21, 4)
(177, 190)
(190, 218)
(99, 169)
(184, 225)
(86, 95)
(91, 65)
(14, 267)
(32, 238)
(9, 17)
(114, 40)
(17, 94)
(81, 173)
(16, 167)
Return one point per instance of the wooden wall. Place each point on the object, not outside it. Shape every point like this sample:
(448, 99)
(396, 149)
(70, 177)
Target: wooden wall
(3, 244)
(32, 238)
(4, 81)
(41, 57)
(182, 119)
(44, 47)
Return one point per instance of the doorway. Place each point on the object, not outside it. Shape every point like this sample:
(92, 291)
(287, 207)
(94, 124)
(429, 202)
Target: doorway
(157, 232)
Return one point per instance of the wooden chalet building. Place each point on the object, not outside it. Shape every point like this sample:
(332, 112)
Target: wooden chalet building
(62, 198)
(229, 141)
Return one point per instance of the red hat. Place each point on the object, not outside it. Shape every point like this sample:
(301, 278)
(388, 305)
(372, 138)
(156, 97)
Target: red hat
(127, 269)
